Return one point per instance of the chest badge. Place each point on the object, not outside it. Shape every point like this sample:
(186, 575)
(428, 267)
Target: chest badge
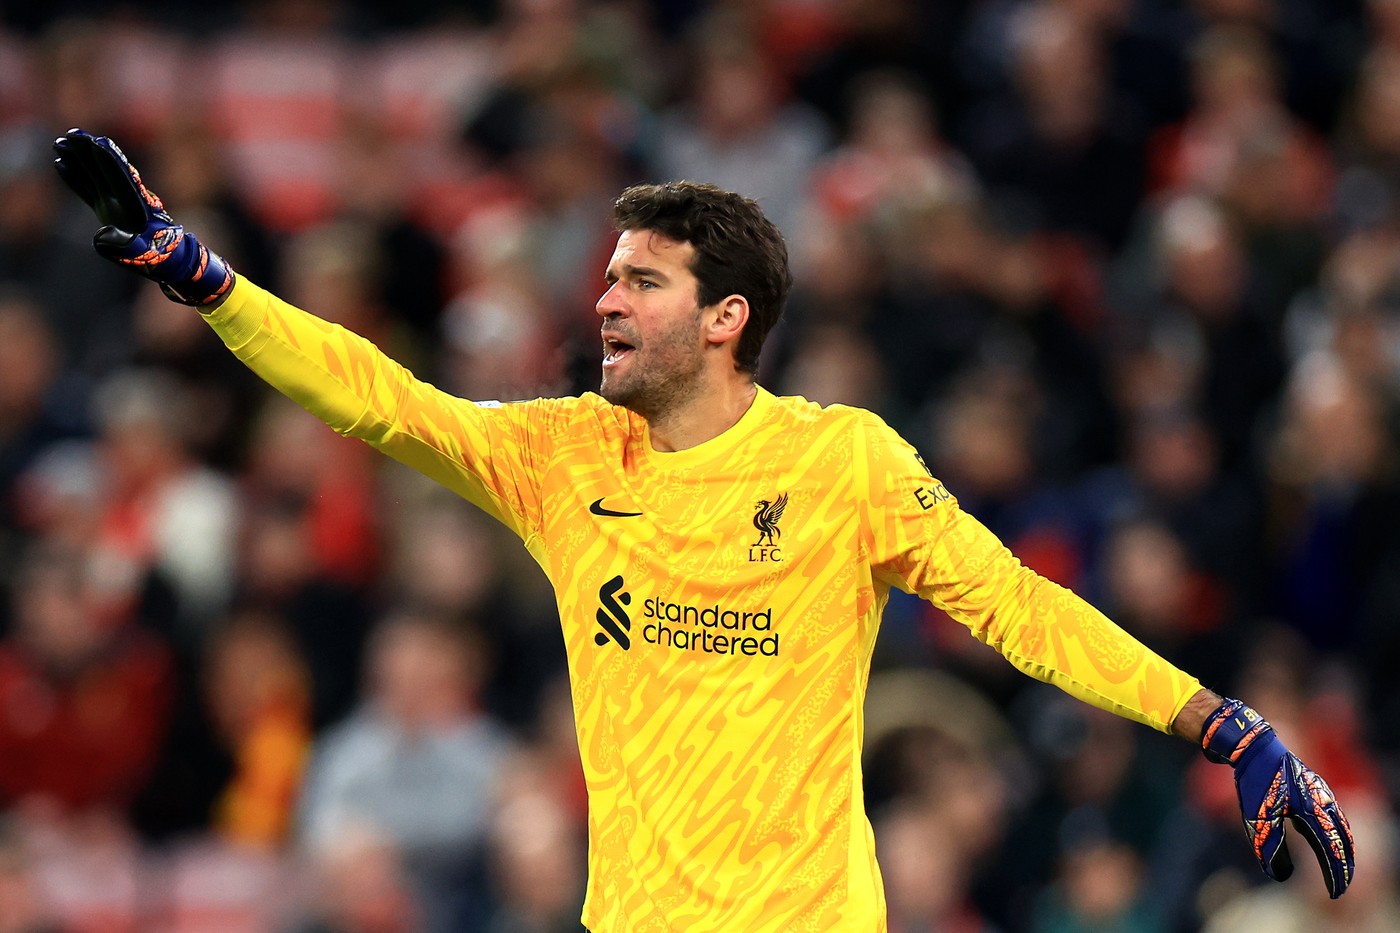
(765, 520)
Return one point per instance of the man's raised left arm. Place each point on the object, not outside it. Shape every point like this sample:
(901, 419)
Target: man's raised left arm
(921, 540)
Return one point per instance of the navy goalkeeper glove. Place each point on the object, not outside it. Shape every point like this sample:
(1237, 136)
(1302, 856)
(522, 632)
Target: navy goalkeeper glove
(1273, 785)
(136, 231)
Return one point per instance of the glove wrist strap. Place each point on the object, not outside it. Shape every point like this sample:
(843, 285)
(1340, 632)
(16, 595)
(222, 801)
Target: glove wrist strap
(1230, 731)
(209, 281)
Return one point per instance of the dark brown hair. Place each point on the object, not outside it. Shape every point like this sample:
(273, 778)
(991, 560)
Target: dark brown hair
(738, 251)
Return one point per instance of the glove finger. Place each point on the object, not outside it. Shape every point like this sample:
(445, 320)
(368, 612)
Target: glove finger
(1270, 848)
(118, 182)
(83, 162)
(74, 171)
(1335, 873)
(1278, 863)
(112, 241)
(142, 253)
(1263, 823)
(1316, 815)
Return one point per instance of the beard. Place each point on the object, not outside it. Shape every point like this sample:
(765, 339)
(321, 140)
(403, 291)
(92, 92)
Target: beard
(660, 376)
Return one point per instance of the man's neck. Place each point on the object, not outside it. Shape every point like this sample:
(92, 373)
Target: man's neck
(707, 416)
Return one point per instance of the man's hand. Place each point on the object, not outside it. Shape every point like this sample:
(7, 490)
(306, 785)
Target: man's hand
(136, 231)
(1273, 785)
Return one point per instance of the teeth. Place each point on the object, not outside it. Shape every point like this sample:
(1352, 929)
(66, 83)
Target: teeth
(612, 349)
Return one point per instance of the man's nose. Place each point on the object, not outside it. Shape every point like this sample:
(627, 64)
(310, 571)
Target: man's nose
(610, 302)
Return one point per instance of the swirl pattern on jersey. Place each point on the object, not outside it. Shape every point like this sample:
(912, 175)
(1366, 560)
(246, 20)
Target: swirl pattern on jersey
(719, 644)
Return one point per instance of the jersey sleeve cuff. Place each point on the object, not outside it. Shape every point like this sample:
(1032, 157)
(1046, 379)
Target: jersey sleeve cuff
(1193, 687)
(239, 317)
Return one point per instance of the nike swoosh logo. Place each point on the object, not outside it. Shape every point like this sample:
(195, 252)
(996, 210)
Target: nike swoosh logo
(597, 509)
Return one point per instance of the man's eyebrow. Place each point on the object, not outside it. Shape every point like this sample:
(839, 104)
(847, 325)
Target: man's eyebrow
(636, 272)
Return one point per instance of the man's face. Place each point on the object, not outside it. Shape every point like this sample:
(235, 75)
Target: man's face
(653, 349)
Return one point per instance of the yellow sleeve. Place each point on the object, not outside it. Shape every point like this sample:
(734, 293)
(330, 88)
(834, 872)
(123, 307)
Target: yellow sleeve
(922, 542)
(486, 452)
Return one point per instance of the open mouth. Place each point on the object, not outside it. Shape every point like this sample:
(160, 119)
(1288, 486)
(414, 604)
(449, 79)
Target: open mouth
(615, 350)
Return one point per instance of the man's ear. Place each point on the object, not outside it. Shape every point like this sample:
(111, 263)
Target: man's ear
(727, 319)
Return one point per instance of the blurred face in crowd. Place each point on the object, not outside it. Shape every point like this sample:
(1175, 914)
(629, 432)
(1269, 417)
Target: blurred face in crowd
(653, 345)
(53, 617)
(252, 667)
(735, 92)
(1378, 100)
(1204, 259)
(1149, 579)
(923, 877)
(421, 674)
(28, 359)
(1101, 881)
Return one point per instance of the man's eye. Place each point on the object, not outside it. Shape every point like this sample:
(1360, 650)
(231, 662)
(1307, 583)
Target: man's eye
(645, 284)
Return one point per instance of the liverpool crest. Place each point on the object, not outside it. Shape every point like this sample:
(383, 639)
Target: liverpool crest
(765, 520)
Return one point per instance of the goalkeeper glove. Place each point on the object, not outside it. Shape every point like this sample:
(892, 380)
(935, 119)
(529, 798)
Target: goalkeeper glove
(1274, 784)
(136, 231)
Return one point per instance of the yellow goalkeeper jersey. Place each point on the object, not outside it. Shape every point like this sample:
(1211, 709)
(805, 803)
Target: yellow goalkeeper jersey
(719, 607)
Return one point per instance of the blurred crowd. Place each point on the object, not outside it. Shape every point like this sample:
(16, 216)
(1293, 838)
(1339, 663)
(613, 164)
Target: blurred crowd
(1126, 271)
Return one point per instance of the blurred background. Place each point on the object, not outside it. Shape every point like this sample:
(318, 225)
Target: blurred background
(1126, 271)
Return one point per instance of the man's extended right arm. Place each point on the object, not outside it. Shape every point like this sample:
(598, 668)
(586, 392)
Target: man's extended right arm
(481, 454)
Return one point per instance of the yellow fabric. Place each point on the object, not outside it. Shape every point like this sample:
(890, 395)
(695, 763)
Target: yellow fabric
(722, 745)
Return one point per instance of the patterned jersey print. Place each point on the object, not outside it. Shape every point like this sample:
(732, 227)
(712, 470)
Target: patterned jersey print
(719, 608)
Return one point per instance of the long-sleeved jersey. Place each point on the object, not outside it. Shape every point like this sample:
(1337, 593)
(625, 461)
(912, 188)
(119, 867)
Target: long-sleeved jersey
(719, 607)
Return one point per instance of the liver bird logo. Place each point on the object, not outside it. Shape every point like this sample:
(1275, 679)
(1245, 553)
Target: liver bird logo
(766, 520)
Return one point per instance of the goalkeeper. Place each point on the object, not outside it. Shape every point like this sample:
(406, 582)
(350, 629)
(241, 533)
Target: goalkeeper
(721, 558)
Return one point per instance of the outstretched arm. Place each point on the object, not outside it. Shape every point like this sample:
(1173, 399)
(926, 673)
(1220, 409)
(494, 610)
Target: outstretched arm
(484, 453)
(923, 541)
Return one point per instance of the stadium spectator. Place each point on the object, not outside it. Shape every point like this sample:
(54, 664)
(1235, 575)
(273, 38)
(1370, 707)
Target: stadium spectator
(1170, 473)
(86, 700)
(417, 767)
(927, 882)
(1332, 481)
(358, 885)
(537, 854)
(258, 690)
(1102, 885)
(1203, 304)
(166, 518)
(40, 405)
(737, 127)
(1062, 144)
